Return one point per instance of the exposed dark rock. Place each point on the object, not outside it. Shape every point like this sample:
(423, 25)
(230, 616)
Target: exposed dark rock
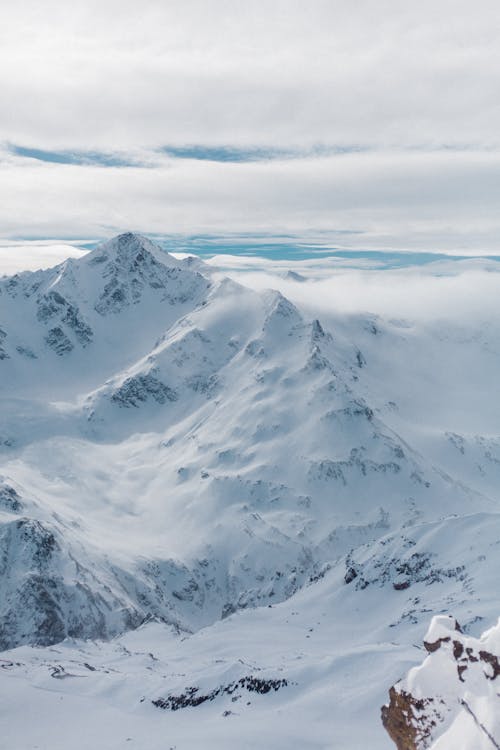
(405, 721)
(431, 647)
(9, 499)
(360, 360)
(58, 341)
(401, 585)
(3, 353)
(54, 305)
(131, 267)
(140, 388)
(25, 351)
(328, 469)
(192, 696)
(205, 384)
(350, 575)
(318, 332)
(402, 572)
(12, 285)
(493, 662)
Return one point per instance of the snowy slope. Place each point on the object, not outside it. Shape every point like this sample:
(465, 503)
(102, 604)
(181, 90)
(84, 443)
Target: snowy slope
(178, 447)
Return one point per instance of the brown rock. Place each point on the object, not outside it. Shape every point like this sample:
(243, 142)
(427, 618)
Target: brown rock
(403, 721)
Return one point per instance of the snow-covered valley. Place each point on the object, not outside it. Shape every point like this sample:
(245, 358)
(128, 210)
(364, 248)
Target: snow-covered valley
(241, 503)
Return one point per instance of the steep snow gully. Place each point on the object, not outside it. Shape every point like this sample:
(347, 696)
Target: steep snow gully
(212, 505)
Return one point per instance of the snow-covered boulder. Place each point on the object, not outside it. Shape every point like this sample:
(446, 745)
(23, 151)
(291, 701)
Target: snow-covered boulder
(453, 699)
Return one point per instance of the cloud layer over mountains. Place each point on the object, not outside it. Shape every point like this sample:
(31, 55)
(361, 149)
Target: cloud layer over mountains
(379, 121)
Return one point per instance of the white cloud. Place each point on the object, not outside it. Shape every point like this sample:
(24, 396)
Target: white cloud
(403, 80)
(18, 257)
(462, 291)
(389, 199)
(121, 74)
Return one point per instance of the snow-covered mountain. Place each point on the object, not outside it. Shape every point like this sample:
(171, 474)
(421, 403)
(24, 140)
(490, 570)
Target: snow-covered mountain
(177, 448)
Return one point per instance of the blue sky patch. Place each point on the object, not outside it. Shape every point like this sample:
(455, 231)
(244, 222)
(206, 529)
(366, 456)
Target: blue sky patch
(95, 158)
(237, 154)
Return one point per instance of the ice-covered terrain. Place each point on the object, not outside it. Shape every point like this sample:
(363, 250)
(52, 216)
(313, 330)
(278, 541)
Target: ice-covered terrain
(227, 513)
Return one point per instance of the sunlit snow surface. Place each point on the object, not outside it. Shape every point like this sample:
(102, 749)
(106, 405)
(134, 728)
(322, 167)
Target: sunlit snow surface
(292, 468)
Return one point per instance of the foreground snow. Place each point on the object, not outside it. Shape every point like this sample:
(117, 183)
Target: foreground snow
(204, 485)
(84, 694)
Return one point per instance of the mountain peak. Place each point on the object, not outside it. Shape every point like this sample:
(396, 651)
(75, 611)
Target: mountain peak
(130, 248)
(129, 237)
(131, 241)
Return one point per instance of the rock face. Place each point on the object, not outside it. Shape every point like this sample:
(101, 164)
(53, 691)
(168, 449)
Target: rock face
(404, 722)
(453, 699)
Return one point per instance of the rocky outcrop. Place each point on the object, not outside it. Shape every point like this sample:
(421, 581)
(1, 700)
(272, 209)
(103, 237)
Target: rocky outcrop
(141, 388)
(9, 499)
(3, 353)
(406, 721)
(53, 306)
(58, 341)
(454, 696)
(193, 697)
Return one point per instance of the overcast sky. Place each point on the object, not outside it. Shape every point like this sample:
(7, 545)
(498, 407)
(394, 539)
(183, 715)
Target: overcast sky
(368, 124)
